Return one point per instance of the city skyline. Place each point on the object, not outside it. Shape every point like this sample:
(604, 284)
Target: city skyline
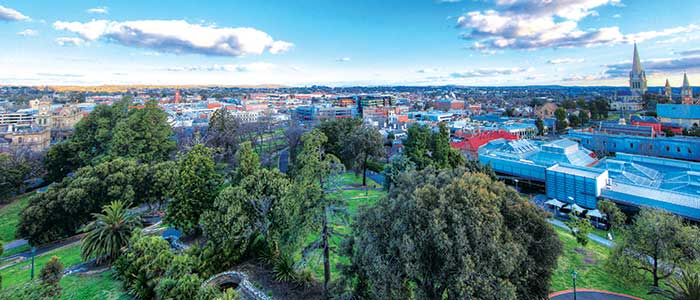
(429, 42)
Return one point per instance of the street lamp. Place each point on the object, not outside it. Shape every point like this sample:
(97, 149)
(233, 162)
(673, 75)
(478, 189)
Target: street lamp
(31, 276)
(573, 276)
(516, 184)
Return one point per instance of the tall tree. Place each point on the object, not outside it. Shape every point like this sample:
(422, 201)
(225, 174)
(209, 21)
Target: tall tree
(66, 206)
(12, 176)
(539, 123)
(338, 134)
(144, 135)
(580, 228)
(365, 143)
(223, 133)
(50, 275)
(614, 215)
(561, 122)
(198, 184)
(108, 233)
(657, 243)
(438, 229)
(399, 165)
(426, 147)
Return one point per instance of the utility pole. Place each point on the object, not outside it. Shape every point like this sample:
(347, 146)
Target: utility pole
(31, 276)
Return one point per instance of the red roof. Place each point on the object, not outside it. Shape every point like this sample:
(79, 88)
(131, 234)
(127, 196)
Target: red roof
(472, 142)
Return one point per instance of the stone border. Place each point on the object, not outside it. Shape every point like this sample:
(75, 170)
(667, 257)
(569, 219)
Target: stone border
(244, 285)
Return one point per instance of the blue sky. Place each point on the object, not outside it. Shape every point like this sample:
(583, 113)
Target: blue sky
(364, 42)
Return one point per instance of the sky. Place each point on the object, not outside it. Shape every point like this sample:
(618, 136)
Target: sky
(343, 43)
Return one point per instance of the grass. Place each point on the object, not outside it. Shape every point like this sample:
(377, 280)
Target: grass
(20, 273)
(353, 199)
(350, 179)
(92, 287)
(591, 271)
(9, 217)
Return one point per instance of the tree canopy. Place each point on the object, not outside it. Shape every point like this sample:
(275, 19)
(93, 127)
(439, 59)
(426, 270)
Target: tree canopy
(425, 147)
(453, 235)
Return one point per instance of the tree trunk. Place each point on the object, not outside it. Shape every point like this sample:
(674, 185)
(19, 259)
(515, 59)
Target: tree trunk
(364, 172)
(655, 273)
(326, 256)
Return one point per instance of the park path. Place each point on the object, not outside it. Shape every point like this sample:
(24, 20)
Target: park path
(588, 294)
(593, 237)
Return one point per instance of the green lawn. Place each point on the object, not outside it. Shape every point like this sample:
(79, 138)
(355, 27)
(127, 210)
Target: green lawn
(353, 200)
(590, 269)
(350, 179)
(93, 287)
(9, 217)
(19, 273)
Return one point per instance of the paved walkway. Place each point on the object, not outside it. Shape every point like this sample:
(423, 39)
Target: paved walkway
(586, 294)
(14, 244)
(593, 237)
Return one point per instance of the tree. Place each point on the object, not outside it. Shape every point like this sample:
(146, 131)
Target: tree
(12, 176)
(574, 121)
(50, 275)
(561, 123)
(399, 165)
(580, 228)
(61, 159)
(436, 230)
(615, 216)
(66, 206)
(160, 183)
(599, 108)
(223, 133)
(539, 123)
(108, 233)
(248, 162)
(581, 103)
(365, 143)
(425, 147)
(685, 287)
(583, 116)
(657, 243)
(315, 177)
(144, 135)
(568, 104)
(198, 184)
(338, 134)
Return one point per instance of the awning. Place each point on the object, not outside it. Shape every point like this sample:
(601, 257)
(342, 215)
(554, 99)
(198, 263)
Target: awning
(555, 203)
(595, 213)
(574, 207)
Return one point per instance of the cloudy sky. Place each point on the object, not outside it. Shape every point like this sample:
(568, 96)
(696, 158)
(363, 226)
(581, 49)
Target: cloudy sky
(359, 42)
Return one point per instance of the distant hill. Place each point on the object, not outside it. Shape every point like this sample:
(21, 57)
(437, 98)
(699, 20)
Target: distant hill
(125, 88)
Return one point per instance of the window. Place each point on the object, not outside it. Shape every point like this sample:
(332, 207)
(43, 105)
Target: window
(631, 146)
(678, 149)
(667, 148)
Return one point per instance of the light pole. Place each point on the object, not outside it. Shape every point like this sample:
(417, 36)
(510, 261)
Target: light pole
(573, 276)
(516, 185)
(31, 276)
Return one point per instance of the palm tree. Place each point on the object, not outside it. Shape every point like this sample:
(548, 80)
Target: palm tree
(685, 287)
(109, 232)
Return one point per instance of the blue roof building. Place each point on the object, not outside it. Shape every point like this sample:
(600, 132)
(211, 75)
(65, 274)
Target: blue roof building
(686, 115)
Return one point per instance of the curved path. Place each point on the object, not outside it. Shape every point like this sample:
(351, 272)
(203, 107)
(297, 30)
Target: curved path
(587, 294)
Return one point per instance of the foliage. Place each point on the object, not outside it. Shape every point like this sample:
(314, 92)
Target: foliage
(599, 108)
(583, 116)
(399, 165)
(64, 207)
(50, 275)
(428, 148)
(338, 133)
(568, 104)
(198, 184)
(13, 173)
(159, 184)
(28, 291)
(615, 216)
(561, 122)
(229, 294)
(223, 134)
(364, 143)
(437, 229)
(144, 135)
(580, 228)
(684, 287)
(108, 233)
(657, 242)
(574, 120)
(539, 123)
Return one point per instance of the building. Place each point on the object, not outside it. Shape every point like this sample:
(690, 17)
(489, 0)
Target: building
(668, 93)
(677, 147)
(318, 113)
(546, 110)
(685, 115)
(687, 91)
(648, 121)
(638, 78)
(17, 118)
(33, 137)
(570, 175)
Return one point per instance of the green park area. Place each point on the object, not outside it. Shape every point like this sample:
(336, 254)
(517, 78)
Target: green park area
(9, 217)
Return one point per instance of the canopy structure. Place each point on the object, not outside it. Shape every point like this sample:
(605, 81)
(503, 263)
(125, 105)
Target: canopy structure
(595, 214)
(554, 202)
(574, 207)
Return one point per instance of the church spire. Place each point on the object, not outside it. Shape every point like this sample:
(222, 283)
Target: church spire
(636, 64)
(686, 84)
(667, 84)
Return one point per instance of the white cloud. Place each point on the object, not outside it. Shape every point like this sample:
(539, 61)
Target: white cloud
(28, 32)
(177, 36)
(427, 71)
(488, 72)
(98, 10)
(565, 61)
(588, 77)
(535, 24)
(9, 14)
(69, 41)
(656, 65)
(343, 59)
(689, 52)
(617, 16)
(251, 67)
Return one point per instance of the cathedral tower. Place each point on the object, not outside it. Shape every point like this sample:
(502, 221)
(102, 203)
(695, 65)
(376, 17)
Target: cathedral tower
(667, 91)
(638, 79)
(686, 91)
